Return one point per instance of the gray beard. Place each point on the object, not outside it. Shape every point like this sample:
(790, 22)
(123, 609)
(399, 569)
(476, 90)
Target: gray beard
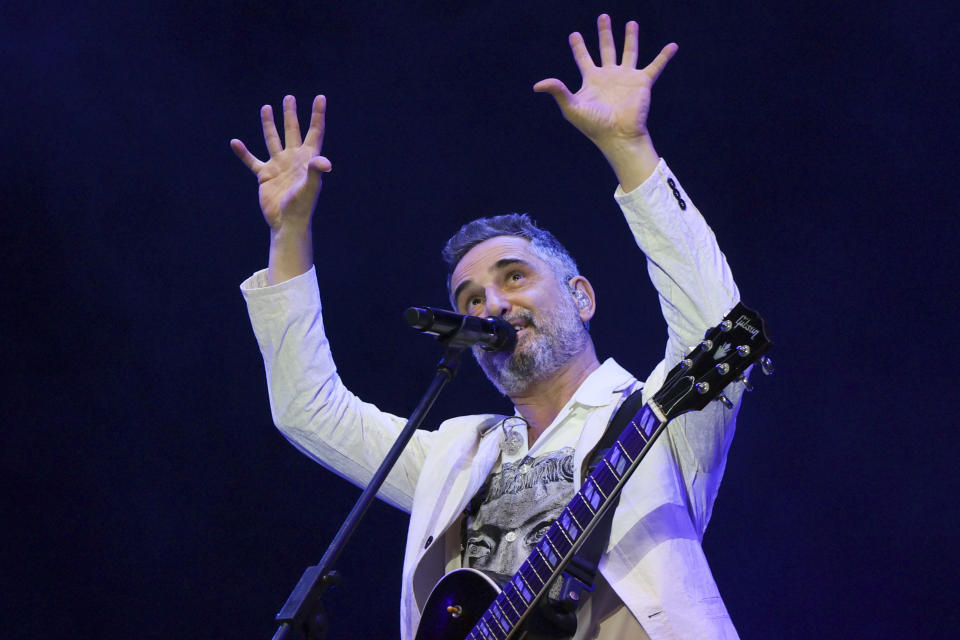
(550, 343)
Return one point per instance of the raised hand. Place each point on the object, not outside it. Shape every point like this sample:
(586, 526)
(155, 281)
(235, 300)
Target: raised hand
(613, 102)
(290, 179)
(289, 185)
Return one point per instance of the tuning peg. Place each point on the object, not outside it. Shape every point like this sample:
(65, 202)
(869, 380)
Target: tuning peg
(746, 383)
(724, 326)
(766, 365)
(725, 401)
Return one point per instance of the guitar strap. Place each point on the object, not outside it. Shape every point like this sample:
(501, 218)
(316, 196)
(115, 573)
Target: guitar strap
(559, 608)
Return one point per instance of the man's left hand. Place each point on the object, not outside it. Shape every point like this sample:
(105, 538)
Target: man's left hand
(613, 102)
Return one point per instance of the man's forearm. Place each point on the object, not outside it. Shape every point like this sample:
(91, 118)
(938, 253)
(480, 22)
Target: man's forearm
(291, 254)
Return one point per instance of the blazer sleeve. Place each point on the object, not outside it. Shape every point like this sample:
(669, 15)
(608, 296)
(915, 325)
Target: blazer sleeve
(308, 401)
(695, 289)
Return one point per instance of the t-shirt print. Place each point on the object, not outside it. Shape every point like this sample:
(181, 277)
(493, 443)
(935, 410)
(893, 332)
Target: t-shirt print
(517, 506)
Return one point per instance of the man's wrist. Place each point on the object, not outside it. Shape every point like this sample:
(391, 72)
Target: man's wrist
(633, 160)
(291, 230)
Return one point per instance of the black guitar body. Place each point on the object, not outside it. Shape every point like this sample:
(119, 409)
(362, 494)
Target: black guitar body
(469, 592)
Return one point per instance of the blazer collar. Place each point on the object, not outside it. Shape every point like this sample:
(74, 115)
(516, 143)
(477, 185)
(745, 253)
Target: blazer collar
(604, 385)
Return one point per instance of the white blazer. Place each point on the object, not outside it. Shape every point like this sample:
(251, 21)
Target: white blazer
(654, 560)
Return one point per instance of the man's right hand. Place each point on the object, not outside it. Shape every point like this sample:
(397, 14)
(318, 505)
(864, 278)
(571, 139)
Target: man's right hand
(289, 185)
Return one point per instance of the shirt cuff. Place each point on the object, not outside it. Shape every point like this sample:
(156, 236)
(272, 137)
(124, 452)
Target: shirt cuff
(297, 292)
(660, 186)
(259, 281)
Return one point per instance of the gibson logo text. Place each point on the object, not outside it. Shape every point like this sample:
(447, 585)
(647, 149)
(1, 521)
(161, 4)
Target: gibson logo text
(744, 323)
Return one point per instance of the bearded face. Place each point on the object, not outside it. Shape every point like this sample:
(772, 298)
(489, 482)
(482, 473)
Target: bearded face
(547, 340)
(506, 278)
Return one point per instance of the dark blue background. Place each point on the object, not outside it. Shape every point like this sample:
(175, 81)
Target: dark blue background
(146, 493)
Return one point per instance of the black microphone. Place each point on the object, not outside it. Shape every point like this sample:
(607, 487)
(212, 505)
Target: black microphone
(456, 330)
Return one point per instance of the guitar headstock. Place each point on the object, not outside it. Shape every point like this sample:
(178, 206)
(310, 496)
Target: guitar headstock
(724, 354)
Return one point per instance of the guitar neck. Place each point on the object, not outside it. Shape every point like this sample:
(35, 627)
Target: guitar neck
(564, 538)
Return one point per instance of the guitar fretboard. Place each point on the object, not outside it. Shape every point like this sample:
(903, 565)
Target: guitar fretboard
(563, 538)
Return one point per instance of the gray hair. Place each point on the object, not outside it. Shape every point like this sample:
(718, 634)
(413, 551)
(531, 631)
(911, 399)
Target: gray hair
(544, 243)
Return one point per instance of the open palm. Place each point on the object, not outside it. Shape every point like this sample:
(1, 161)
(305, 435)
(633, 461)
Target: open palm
(290, 179)
(614, 99)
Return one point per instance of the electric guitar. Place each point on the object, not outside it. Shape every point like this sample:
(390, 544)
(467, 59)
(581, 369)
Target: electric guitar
(467, 604)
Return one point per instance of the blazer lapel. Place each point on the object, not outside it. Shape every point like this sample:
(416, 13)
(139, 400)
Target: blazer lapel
(593, 429)
(488, 450)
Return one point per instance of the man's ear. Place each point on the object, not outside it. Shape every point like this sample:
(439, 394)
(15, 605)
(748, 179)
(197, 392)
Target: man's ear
(583, 296)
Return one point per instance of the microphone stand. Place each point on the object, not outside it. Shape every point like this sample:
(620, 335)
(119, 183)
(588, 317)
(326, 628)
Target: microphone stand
(303, 611)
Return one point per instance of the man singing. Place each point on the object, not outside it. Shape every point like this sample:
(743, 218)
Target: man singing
(482, 489)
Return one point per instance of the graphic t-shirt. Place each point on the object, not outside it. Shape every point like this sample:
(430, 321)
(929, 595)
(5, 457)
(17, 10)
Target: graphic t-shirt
(520, 500)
